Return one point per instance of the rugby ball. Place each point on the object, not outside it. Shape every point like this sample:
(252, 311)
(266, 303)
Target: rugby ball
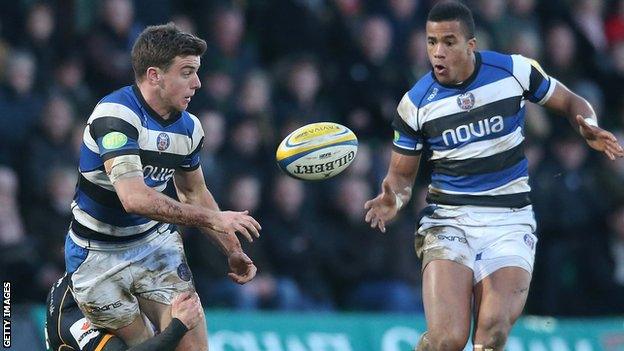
(317, 151)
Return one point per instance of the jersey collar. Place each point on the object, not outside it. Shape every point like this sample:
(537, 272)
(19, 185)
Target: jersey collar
(150, 111)
(468, 81)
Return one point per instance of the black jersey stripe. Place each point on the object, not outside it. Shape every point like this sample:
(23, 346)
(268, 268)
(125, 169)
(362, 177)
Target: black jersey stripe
(89, 234)
(101, 126)
(473, 166)
(505, 107)
(161, 159)
(98, 194)
(517, 200)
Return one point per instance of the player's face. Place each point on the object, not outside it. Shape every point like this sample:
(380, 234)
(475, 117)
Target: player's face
(180, 82)
(450, 52)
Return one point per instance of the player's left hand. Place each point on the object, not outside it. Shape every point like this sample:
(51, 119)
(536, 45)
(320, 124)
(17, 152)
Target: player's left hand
(600, 139)
(242, 268)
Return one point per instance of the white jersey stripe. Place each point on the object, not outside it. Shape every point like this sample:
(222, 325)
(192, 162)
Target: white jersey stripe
(92, 223)
(519, 185)
(484, 148)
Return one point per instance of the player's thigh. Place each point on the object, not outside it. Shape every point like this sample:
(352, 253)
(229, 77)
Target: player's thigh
(499, 300)
(447, 297)
(134, 333)
(195, 339)
(158, 313)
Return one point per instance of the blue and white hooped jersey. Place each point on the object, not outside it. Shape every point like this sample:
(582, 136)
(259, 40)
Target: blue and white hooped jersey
(122, 123)
(474, 130)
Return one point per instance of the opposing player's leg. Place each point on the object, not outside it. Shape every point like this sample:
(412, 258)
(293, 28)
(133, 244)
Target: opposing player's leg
(447, 293)
(160, 315)
(499, 301)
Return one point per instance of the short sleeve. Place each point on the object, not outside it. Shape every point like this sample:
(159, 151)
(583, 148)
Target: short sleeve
(537, 84)
(114, 137)
(191, 162)
(408, 138)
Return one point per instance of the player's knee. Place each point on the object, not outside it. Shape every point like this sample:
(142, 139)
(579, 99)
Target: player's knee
(448, 340)
(493, 333)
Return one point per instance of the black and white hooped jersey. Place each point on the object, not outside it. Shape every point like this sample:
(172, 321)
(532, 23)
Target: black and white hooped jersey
(474, 130)
(122, 123)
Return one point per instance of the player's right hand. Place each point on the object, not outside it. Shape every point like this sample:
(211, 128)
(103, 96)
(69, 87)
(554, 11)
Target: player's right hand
(382, 208)
(188, 309)
(231, 222)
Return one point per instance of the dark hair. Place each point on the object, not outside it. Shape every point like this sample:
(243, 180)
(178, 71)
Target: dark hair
(158, 46)
(453, 11)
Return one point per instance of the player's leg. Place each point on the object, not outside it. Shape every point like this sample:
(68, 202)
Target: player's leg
(160, 315)
(503, 276)
(159, 277)
(447, 287)
(447, 293)
(499, 301)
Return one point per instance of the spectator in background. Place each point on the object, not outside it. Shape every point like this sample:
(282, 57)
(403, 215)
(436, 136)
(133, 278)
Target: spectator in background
(560, 53)
(50, 145)
(20, 105)
(371, 79)
(295, 252)
(109, 44)
(41, 39)
(416, 60)
(227, 50)
(364, 271)
(18, 257)
(254, 102)
(48, 222)
(300, 97)
(248, 151)
(491, 16)
(69, 82)
(565, 182)
(212, 160)
(604, 285)
(614, 25)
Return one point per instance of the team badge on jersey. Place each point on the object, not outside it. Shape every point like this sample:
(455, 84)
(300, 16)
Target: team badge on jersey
(162, 142)
(466, 101)
(528, 240)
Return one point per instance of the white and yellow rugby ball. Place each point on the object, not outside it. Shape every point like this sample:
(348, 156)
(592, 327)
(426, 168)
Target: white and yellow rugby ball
(317, 151)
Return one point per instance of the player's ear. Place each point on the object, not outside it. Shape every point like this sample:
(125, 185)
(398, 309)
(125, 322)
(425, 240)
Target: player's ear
(153, 75)
(472, 45)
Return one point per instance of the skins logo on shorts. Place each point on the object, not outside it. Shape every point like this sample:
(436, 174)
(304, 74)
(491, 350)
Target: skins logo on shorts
(162, 141)
(83, 331)
(528, 240)
(184, 272)
(465, 101)
(114, 140)
(397, 136)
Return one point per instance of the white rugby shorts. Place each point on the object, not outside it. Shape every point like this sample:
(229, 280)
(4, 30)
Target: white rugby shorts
(106, 283)
(483, 239)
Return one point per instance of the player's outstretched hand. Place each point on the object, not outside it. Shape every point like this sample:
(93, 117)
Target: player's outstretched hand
(187, 308)
(242, 268)
(232, 222)
(600, 139)
(382, 208)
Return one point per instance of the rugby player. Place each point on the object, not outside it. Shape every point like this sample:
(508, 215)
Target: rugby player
(477, 238)
(67, 328)
(123, 252)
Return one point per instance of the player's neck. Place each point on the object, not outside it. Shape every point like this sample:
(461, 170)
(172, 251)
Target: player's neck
(470, 68)
(150, 94)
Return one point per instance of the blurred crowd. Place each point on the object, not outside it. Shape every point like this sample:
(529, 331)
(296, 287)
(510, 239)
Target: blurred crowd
(272, 66)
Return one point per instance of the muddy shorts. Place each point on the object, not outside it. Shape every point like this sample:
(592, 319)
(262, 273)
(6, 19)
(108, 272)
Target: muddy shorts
(107, 283)
(483, 239)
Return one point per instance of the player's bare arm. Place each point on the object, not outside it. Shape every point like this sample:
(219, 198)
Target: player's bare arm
(580, 113)
(396, 190)
(138, 198)
(191, 189)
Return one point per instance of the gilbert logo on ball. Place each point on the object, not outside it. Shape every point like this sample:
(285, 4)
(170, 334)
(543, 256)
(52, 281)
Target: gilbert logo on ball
(317, 151)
